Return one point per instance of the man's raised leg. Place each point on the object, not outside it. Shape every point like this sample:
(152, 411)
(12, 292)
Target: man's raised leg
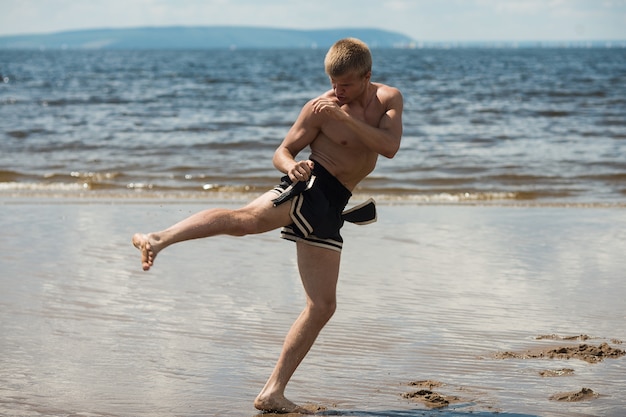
(319, 271)
(257, 217)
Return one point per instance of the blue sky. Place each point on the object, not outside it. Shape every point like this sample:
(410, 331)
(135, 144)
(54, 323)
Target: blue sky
(423, 20)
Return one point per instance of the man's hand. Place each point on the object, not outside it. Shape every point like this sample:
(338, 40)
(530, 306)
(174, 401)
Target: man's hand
(330, 107)
(301, 171)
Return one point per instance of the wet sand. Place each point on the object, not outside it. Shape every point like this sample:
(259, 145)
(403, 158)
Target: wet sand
(442, 310)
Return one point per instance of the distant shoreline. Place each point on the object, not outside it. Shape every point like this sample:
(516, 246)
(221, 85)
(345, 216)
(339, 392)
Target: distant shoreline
(244, 37)
(202, 37)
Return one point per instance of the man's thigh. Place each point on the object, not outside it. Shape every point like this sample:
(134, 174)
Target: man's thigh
(319, 271)
(262, 212)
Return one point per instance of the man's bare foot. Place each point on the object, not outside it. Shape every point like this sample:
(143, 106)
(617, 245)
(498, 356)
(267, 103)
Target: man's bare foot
(279, 405)
(147, 249)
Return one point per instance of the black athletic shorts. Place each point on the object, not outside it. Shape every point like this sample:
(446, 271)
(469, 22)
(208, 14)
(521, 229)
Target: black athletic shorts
(317, 211)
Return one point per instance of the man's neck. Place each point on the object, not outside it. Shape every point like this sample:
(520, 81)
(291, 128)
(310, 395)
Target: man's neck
(365, 99)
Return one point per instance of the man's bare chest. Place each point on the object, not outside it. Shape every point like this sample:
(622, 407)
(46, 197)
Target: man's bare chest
(345, 134)
(338, 134)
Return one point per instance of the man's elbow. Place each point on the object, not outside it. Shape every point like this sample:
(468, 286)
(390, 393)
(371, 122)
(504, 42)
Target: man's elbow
(391, 151)
(276, 159)
(390, 154)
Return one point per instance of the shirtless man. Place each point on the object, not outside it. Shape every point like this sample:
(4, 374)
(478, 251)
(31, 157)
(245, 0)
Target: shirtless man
(346, 128)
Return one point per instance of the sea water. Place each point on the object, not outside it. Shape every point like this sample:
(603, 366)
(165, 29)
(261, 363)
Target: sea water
(528, 124)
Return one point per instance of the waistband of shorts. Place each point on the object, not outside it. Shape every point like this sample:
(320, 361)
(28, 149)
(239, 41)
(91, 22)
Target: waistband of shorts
(332, 183)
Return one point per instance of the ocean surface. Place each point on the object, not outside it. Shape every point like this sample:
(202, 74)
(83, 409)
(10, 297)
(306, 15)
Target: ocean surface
(514, 125)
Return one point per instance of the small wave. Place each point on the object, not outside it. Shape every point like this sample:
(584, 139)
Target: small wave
(257, 145)
(618, 178)
(23, 134)
(95, 176)
(139, 186)
(7, 176)
(85, 180)
(75, 181)
(613, 121)
(446, 197)
(244, 194)
(591, 93)
(553, 113)
(79, 102)
(17, 134)
(41, 186)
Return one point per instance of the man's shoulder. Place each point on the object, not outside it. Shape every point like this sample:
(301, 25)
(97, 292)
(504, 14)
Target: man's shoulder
(387, 89)
(388, 95)
(326, 94)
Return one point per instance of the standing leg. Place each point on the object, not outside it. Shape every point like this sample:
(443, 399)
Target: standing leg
(319, 271)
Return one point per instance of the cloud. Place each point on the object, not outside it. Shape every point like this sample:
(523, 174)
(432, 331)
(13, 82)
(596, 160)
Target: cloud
(520, 7)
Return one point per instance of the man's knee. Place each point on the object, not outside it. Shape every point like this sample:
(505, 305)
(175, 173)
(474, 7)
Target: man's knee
(323, 310)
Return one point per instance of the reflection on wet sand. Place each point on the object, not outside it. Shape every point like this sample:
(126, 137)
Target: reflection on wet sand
(429, 293)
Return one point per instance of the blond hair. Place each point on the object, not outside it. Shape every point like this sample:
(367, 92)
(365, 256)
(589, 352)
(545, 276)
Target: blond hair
(346, 55)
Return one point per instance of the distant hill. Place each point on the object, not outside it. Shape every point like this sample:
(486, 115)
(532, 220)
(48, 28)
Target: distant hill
(201, 37)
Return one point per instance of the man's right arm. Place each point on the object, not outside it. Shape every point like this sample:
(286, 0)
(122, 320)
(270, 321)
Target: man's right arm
(303, 132)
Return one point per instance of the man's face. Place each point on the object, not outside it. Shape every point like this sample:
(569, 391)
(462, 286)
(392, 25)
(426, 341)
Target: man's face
(350, 86)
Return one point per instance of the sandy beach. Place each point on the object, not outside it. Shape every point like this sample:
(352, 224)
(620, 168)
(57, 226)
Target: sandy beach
(446, 310)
